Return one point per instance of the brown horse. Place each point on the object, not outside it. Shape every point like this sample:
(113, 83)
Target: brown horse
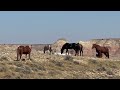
(23, 50)
(76, 46)
(100, 50)
(47, 47)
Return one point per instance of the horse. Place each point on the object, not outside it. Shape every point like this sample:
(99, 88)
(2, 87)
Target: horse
(100, 50)
(76, 46)
(23, 50)
(46, 48)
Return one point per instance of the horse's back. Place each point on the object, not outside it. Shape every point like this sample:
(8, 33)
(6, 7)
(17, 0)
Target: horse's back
(24, 49)
(27, 49)
(20, 48)
(106, 49)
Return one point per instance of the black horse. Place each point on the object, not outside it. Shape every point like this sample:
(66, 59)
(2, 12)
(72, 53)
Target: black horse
(76, 46)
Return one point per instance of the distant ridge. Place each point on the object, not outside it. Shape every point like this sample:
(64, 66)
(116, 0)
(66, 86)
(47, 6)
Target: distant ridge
(107, 39)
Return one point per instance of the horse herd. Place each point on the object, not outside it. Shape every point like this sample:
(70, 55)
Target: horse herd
(78, 48)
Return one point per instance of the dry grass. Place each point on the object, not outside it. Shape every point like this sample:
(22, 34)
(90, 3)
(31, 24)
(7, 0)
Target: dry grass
(45, 66)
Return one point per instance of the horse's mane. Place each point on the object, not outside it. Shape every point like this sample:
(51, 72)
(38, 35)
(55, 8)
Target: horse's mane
(102, 46)
(97, 45)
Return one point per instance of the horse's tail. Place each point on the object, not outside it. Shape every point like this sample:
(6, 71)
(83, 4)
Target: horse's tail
(108, 48)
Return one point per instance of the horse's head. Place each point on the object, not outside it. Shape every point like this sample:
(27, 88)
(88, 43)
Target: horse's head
(94, 46)
(64, 47)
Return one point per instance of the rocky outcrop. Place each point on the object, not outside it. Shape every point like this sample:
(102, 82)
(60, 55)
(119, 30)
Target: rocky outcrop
(58, 44)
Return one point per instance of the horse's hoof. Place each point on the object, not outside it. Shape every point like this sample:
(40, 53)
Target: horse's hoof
(16, 60)
(23, 59)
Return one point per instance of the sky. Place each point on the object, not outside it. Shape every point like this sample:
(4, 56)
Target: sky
(43, 27)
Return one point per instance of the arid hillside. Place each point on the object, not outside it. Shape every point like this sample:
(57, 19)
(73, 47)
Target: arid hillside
(46, 66)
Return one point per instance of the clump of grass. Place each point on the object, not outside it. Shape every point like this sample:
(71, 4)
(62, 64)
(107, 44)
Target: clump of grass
(101, 69)
(75, 62)
(57, 63)
(37, 66)
(68, 58)
(25, 70)
(3, 58)
(114, 77)
(93, 61)
(18, 64)
(53, 73)
(3, 69)
(7, 77)
(110, 72)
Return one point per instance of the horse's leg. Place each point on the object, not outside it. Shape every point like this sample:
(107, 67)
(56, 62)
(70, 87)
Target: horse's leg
(66, 51)
(78, 52)
(82, 52)
(20, 56)
(44, 51)
(17, 56)
(100, 55)
(75, 52)
(26, 56)
(107, 55)
(29, 57)
(50, 51)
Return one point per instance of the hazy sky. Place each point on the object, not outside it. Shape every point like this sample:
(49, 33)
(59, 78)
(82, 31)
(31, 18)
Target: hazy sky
(48, 26)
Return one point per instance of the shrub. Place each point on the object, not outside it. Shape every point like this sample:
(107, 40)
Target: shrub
(60, 64)
(69, 58)
(3, 58)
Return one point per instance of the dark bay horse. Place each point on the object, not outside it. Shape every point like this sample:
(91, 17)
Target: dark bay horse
(23, 50)
(47, 47)
(76, 46)
(100, 50)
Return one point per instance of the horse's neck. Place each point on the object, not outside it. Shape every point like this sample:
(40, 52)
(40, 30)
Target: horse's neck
(97, 47)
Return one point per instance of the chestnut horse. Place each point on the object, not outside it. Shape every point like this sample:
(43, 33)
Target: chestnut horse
(47, 47)
(76, 46)
(23, 50)
(100, 50)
